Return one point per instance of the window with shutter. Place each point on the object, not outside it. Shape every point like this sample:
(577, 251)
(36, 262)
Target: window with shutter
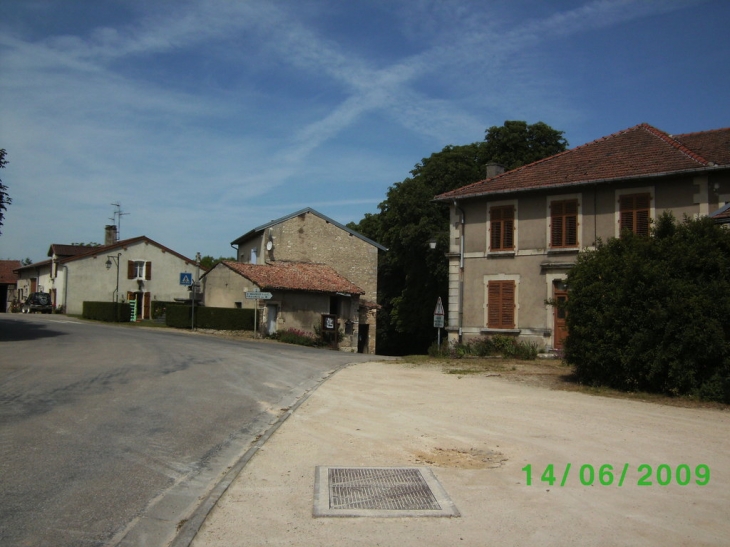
(564, 223)
(501, 304)
(502, 227)
(634, 213)
(131, 271)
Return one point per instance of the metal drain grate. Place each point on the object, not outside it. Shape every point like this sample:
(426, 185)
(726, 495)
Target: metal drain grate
(379, 492)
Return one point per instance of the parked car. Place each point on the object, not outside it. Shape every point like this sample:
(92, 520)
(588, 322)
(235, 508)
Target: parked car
(38, 302)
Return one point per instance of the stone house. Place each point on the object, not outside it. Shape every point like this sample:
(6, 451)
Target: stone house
(515, 235)
(137, 269)
(307, 237)
(302, 293)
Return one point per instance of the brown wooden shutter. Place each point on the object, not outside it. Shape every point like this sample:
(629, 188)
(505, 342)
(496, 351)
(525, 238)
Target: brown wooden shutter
(642, 205)
(148, 271)
(501, 304)
(571, 223)
(130, 269)
(634, 212)
(146, 306)
(508, 305)
(502, 226)
(557, 210)
(494, 304)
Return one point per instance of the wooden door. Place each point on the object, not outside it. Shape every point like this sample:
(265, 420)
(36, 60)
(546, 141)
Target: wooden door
(560, 328)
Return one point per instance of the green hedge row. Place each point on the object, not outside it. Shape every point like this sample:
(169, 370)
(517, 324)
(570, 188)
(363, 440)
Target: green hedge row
(179, 316)
(651, 313)
(107, 311)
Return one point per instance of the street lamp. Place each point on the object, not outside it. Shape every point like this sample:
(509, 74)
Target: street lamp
(109, 259)
(432, 243)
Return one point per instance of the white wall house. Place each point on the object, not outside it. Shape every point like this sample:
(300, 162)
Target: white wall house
(138, 269)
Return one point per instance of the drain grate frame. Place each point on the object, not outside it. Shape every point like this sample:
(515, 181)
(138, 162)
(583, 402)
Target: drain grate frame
(379, 492)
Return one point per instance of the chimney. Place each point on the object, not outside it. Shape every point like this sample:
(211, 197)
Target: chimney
(494, 169)
(110, 234)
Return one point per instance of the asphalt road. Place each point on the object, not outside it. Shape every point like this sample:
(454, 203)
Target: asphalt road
(111, 435)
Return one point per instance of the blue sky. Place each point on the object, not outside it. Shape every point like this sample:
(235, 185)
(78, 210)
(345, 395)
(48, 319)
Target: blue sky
(206, 118)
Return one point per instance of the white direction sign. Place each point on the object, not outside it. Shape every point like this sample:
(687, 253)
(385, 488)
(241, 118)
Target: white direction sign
(256, 295)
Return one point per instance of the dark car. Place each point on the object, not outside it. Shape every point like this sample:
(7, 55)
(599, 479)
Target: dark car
(38, 302)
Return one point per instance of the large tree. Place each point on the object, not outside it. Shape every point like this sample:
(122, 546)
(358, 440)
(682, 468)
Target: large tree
(411, 276)
(5, 199)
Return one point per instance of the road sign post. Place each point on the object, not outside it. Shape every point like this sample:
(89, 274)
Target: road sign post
(257, 295)
(438, 319)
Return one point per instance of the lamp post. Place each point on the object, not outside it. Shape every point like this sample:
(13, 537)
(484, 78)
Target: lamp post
(109, 259)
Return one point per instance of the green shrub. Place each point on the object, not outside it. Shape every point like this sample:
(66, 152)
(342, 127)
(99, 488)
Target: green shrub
(180, 316)
(505, 346)
(651, 313)
(115, 312)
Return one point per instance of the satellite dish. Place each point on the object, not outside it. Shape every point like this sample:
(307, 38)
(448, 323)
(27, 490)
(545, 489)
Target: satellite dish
(269, 245)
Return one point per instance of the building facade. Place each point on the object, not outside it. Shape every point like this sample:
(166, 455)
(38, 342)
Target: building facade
(309, 237)
(138, 269)
(515, 236)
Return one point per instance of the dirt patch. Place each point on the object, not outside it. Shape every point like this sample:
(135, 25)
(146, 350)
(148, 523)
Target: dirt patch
(548, 374)
(460, 459)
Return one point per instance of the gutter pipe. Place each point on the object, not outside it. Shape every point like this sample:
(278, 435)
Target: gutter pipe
(460, 315)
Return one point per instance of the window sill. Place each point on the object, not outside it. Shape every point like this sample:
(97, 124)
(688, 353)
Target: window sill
(501, 254)
(563, 251)
(500, 331)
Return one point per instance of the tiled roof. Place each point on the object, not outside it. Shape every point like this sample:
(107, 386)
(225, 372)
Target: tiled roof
(6, 271)
(640, 151)
(714, 145)
(295, 276)
(722, 215)
(68, 250)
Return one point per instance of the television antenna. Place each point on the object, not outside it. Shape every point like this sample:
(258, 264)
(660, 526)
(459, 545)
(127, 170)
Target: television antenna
(117, 218)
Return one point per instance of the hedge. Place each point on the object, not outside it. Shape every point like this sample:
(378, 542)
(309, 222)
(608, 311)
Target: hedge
(653, 313)
(179, 316)
(115, 312)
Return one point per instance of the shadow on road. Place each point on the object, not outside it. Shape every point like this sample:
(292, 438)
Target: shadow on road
(12, 330)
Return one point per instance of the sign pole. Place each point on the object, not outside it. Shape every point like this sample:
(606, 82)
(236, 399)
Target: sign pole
(438, 319)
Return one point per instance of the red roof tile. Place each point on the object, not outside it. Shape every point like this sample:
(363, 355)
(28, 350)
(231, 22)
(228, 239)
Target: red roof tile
(68, 250)
(639, 151)
(6, 271)
(295, 276)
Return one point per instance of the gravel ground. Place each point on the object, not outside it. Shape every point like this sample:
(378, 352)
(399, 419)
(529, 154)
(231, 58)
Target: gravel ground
(479, 432)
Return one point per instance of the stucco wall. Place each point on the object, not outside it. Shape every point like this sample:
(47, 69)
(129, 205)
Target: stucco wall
(89, 280)
(533, 265)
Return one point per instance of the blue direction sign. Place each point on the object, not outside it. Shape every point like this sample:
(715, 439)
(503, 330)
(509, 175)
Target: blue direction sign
(186, 279)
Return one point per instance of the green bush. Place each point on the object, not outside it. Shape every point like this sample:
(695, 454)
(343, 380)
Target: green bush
(114, 312)
(651, 313)
(505, 346)
(180, 316)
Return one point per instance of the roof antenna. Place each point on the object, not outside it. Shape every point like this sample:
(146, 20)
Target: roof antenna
(117, 218)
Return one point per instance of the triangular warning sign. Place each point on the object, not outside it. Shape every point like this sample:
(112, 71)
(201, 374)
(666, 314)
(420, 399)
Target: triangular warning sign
(439, 308)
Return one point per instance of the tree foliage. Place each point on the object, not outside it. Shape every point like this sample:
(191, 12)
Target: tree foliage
(411, 276)
(516, 143)
(5, 199)
(209, 262)
(651, 314)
